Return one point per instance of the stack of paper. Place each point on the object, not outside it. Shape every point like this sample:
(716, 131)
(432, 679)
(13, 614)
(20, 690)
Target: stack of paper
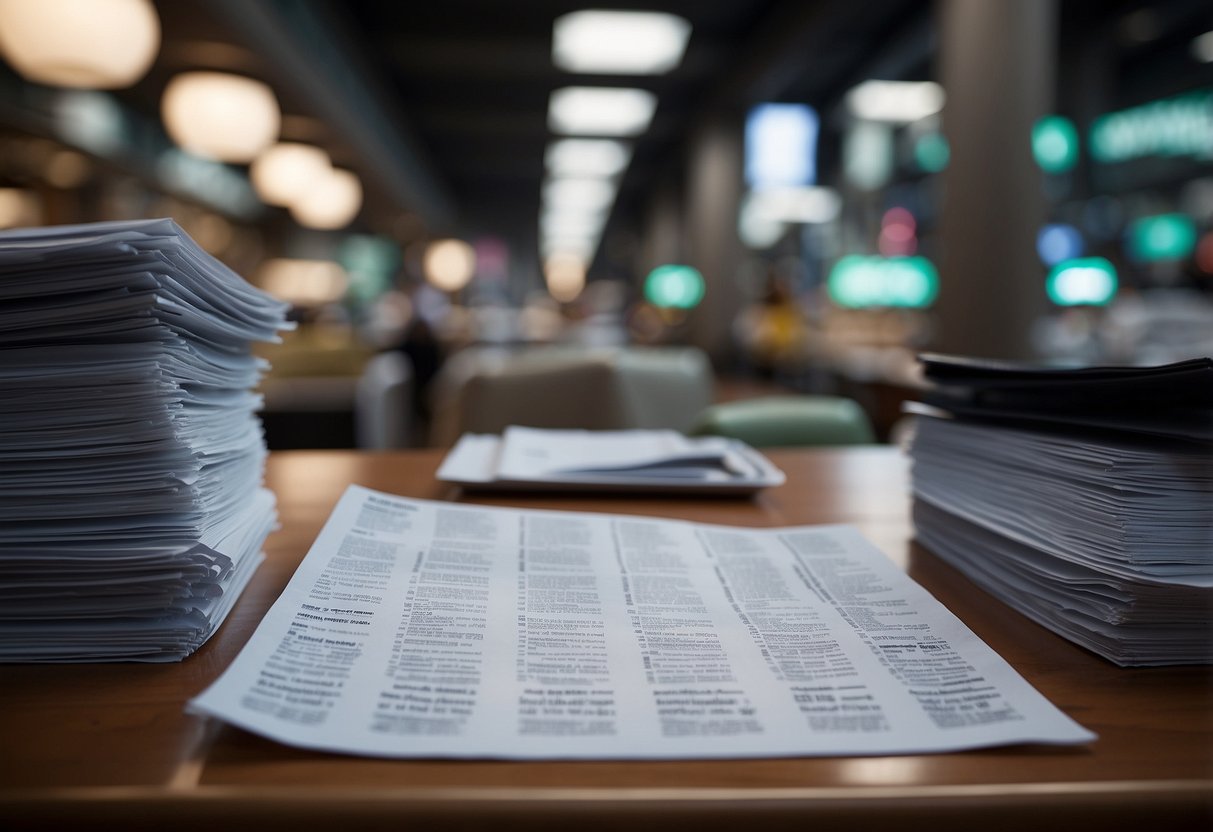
(633, 460)
(131, 458)
(1099, 528)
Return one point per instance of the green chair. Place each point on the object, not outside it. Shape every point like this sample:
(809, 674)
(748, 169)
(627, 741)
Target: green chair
(774, 421)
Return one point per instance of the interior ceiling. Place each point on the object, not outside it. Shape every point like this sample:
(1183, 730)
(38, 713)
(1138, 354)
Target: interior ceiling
(441, 106)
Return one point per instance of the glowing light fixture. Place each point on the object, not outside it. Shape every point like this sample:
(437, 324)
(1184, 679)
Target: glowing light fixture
(932, 152)
(89, 44)
(283, 172)
(1162, 237)
(331, 202)
(674, 286)
(1086, 281)
(222, 116)
(1202, 48)
(1055, 144)
(587, 157)
(600, 111)
(303, 282)
(565, 276)
(898, 102)
(19, 207)
(1057, 242)
(580, 195)
(619, 43)
(449, 264)
(858, 281)
(781, 145)
(1179, 126)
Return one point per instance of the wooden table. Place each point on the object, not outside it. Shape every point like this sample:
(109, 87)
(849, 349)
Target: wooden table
(110, 745)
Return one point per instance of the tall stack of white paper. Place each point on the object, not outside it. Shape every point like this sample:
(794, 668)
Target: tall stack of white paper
(1082, 498)
(131, 458)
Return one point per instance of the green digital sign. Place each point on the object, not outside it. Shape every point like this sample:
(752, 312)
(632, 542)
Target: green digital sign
(1162, 237)
(1179, 126)
(858, 281)
(932, 152)
(1083, 281)
(1055, 144)
(674, 286)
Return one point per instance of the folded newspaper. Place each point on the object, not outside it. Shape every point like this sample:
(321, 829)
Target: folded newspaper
(632, 460)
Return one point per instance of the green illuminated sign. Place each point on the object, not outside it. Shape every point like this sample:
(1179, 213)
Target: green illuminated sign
(932, 152)
(858, 282)
(1180, 126)
(1164, 237)
(1055, 144)
(674, 286)
(1084, 281)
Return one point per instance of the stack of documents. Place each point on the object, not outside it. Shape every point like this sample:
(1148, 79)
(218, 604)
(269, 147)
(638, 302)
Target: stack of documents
(131, 458)
(632, 460)
(1083, 498)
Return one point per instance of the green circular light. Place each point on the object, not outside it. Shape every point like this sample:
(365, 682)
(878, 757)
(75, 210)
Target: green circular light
(674, 286)
(1055, 144)
(932, 152)
(1164, 237)
(859, 282)
(1084, 281)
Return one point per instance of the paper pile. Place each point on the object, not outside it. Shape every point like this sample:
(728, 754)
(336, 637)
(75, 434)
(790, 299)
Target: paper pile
(1099, 527)
(631, 460)
(131, 459)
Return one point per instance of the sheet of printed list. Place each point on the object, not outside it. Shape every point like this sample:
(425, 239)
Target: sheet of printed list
(427, 629)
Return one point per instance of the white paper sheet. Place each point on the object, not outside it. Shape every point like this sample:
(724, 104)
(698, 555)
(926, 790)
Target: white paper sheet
(636, 460)
(423, 629)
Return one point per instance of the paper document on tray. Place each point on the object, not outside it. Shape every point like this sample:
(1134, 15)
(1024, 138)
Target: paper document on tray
(636, 459)
(424, 629)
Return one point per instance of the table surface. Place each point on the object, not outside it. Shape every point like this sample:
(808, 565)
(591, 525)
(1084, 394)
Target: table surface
(110, 744)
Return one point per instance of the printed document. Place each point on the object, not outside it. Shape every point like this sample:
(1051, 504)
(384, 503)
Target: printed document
(427, 629)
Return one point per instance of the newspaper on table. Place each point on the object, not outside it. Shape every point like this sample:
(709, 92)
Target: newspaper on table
(131, 508)
(426, 629)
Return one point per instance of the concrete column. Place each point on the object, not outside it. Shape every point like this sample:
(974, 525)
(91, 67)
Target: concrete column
(715, 179)
(997, 63)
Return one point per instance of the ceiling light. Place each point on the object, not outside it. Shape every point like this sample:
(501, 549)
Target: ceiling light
(900, 102)
(1202, 48)
(283, 173)
(303, 282)
(582, 195)
(587, 157)
(225, 117)
(621, 43)
(449, 264)
(96, 44)
(331, 202)
(600, 111)
(565, 276)
(572, 223)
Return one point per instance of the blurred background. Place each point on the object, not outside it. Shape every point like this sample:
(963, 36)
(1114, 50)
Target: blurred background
(714, 200)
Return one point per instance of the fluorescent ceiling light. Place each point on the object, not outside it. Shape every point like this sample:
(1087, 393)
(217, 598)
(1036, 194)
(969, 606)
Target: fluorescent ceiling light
(799, 205)
(581, 195)
(587, 157)
(620, 43)
(572, 224)
(600, 111)
(1202, 48)
(781, 145)
(900, 102)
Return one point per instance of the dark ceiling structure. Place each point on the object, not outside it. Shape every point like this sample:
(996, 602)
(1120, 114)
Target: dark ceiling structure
(441, 106)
